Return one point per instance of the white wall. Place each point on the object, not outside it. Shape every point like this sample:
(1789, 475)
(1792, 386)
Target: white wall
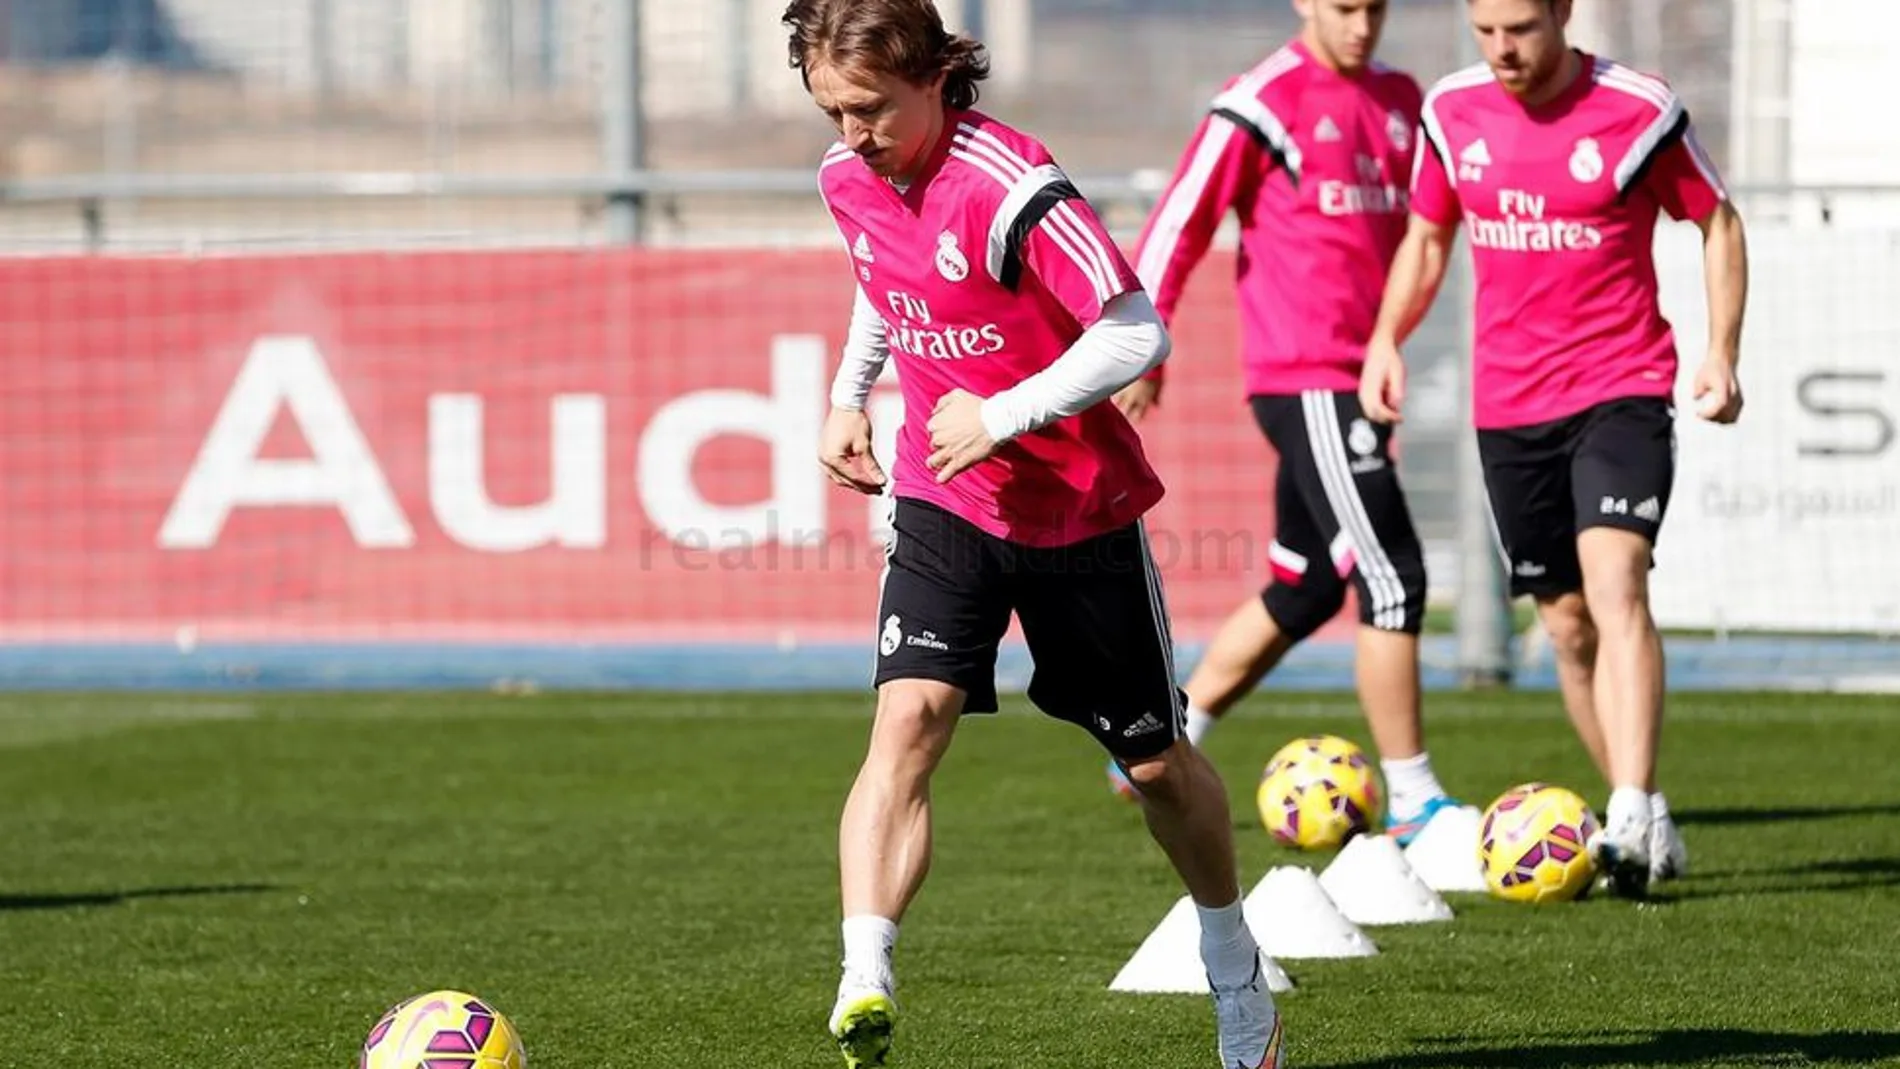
(1787, 520)
(1846, 126)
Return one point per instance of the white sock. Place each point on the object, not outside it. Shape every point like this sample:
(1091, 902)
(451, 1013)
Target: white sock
(867, 952)
(1411, 782)
(1199, 723)
(1227, 945)
(1628, 805)
(1658, 807)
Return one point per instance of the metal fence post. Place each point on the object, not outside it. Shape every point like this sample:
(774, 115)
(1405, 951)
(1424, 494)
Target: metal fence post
(622, 117)
(322, 50)
(1483, 607)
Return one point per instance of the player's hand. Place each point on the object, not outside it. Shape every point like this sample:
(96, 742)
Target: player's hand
(1138, 397)
(1718, 392)
(958, 439)
(844, 449)
(1382, 384)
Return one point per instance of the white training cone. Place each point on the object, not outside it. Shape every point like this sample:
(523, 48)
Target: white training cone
(1292, 917)
(1445, 852)
(1371, 883)
(1169, 960)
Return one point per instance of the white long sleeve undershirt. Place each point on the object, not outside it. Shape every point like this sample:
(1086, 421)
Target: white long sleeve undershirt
(1124, 344)
(1121, 347)
(865, 350)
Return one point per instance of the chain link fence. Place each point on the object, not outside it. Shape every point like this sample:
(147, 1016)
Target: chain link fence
(526, 87)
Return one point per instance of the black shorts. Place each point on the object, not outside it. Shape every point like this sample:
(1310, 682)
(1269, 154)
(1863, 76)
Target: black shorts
(1092, 615)
(1339, 515)
(1611, 465)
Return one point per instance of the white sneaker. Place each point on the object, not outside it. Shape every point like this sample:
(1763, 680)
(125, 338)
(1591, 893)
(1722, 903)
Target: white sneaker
(1668, 855)
(1622, 856)
(1248, 1025)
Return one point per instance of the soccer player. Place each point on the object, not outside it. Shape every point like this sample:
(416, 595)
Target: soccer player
(1013, 320)
(1559, 163)
(1311, 149)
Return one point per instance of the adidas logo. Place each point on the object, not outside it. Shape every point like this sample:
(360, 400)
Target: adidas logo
(862, 250)
(1648, 509)
(1478, 154)
(1146, 725)
(1327, 130)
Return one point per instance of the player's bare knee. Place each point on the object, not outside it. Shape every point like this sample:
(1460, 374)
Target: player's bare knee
(1618, 603)
(1164, 777)
(1573, 634)
(1617, 591)
(914, 724)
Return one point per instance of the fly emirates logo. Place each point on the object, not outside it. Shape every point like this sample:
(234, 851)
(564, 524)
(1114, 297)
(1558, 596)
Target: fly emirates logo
(912, 331)
(1521, 227)
(1371, 195)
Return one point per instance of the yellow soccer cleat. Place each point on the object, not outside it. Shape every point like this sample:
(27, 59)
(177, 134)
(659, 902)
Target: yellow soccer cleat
(862, 1026)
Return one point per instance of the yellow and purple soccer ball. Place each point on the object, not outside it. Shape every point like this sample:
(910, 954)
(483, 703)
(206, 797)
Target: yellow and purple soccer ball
(443, 1030)
(1319, 791)
(1533, 844)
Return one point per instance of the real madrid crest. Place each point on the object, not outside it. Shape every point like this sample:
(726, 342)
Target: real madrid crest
(1586, 161)
(950, 262)
(1361, 438)
(1399, 130)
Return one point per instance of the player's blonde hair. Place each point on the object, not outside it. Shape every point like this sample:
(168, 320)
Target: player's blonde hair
(901, 37)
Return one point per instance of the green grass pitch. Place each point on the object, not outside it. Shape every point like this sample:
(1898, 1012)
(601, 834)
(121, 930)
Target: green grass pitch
(650, 881)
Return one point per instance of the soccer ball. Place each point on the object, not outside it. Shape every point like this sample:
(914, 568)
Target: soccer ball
(443, 1030)
(1317, 792)
(1532, 842)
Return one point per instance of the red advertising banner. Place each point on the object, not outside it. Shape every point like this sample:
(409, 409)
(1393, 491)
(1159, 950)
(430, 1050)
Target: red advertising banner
(600, 445)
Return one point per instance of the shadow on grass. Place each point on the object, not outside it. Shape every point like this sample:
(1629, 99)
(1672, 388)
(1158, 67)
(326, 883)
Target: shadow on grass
(1778, 814)
(118, 898)
(1851, 874)
(1649, 1050)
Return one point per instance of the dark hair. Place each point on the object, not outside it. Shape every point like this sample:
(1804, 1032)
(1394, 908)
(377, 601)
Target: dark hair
(901, 37)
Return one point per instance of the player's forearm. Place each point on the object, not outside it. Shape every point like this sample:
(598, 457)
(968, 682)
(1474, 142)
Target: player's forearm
(1418, 270)
(1168, 285)
(1725, 274)
(865, 350)
(1124, 344)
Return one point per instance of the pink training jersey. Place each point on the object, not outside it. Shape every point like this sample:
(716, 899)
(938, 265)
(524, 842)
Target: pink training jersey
(1560, 205)
(986, 270)
(1315, 163)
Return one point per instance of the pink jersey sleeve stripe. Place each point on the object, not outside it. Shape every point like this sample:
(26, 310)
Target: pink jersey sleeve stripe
(1029, 200)
(1021, 182)
(1082, 245)
(1178, 210)
(1634, 82)
(1425, 144)
(1703, 164)
(1670, 123)
(1244, 108)
(1248, 115)
(1102, 269)
(1165, 237)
